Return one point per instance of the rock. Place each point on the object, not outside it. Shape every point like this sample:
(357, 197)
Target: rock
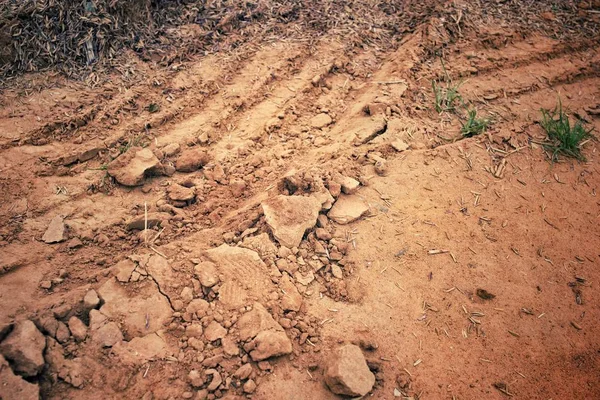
(214, 331)
(187, 294)
(304, 280)
(177, 192)
(336, 271)
(237, 187)
(290, 216)
(140, 312)
(292, 299)
(269, 344)
(24, 348)
(202, 394)
(62, 332)
(216, 379)
(322, 234)
(230, 347)
(198, 307)
(74, 243)
(13, 387)
(243, 372)
(107, 335)
(171, 149)
(140, 350)
(347, 372)
(320, 121)
(399, 145)
(195, 379)
(131, 167)
(56, 231)
(207, 274)
(139, 221)
(194, 331)
(191, 160)
(261, 244)
(368, 130)
(78, 329)
(123, 270)
(249, 386)
(97, 319)
(91, 300)
(46, 285)
(349, 185)
(196, 344)
(213, 361)
(347, 209)
(243, 274)
(255, 321)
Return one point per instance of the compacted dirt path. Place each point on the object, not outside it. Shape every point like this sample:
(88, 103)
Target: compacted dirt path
(301, 223)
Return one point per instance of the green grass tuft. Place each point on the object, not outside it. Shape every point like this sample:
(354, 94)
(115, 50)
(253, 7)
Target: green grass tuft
(474, 126)
(564, 139)
(446, 97)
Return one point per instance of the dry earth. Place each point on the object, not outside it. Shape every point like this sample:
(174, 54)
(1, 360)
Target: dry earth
(297, 200)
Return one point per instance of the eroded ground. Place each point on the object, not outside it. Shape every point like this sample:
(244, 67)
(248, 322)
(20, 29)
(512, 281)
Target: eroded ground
(299, 199)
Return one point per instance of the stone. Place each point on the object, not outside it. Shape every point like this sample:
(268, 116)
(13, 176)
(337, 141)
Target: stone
(214, 331)
(187, 294)
(269, 344)
(46, 285)
(142, 349)
(365, 131)
(347, 209)
(191, 160)
(255, 321)
(216, 379)
(194, 331)
(171, 149)
(62, 332)
(198, 307)
(347, 372)
(14, 387)
(91, 300)
(399, 145)
(195, 379)
(123, 270)
(24, 348)
(74, 243)
(133, 166)
(56, 231)
(243, 273)
(336, 271)
(249, 386)
(306, 279)
(320, 120)
(207, 274)
(177, 192)
(140, 312)
(349, 185)
(262, 244)
(290, 216)
(335, 188)
(78, 329)
(238, 187)
(48, 324)
(202, 394)
(196, 344)
(154, 219)
(97, 319)
(107, 335)
(230, 347)
(243, 372)
(322, 234)
(292, 299)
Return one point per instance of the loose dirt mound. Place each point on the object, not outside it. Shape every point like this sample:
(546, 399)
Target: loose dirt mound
(339, 198)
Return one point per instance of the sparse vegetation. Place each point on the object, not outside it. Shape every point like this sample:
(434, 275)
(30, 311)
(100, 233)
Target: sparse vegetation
(446, 96)
(474, 126)
(564, 139)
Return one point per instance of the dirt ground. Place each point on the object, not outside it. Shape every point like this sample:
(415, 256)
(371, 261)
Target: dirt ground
(464, 267)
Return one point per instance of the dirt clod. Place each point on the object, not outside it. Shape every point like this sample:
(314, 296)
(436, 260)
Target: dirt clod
(347, 372)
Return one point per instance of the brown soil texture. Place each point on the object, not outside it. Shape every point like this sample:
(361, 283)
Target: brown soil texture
(145, 211)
